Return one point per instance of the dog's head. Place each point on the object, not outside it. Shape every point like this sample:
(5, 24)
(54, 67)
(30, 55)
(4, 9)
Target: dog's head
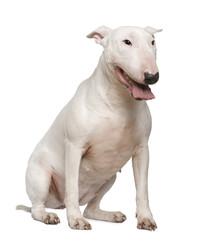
(131, 52)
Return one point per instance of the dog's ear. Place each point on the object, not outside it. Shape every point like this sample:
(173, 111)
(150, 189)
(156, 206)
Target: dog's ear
(99, 34)
(152, 30)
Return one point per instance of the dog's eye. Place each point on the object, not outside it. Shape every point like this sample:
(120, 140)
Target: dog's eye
(153, 42)
(127, 42)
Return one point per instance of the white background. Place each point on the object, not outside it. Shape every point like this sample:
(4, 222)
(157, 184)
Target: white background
(44, 55)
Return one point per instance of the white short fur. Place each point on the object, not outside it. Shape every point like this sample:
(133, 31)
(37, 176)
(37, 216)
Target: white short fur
(94, 136)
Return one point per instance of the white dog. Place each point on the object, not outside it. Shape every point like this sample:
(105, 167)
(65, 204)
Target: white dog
(97, 132)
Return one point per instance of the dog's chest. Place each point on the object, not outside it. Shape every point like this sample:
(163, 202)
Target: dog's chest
(113, 143)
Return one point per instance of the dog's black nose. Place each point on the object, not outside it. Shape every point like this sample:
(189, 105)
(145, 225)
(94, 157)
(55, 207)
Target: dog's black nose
(151, 78)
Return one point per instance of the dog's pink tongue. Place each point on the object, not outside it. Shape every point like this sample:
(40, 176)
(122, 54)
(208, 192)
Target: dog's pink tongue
(142, 93)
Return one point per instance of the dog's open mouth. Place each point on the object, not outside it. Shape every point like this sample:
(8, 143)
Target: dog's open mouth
(137, 90)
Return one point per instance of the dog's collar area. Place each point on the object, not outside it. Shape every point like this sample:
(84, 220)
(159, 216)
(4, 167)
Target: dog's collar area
(138, 91)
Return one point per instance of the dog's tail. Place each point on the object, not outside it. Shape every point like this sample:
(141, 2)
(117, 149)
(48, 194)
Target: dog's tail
(24, 208)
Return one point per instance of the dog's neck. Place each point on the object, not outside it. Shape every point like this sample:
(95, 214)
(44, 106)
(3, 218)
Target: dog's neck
(108, 87)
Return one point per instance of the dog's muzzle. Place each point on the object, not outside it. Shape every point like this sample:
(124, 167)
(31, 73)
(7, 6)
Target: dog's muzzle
(151, 78)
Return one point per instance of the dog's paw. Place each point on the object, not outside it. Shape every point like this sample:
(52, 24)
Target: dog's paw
(79, 223)
(50, 218)
(146, 223)
(118, 217)
(99, 214)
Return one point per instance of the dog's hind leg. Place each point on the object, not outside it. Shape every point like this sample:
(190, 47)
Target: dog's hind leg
(93, 210)
(38, 181)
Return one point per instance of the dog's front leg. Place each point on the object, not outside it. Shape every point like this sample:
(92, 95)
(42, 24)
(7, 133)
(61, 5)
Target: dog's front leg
(140, 169)
(72, 164)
